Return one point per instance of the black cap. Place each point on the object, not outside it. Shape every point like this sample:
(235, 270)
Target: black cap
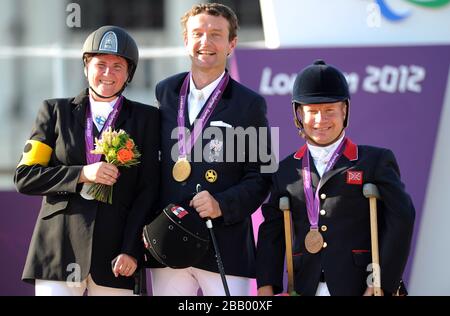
(113, 40)
(320, 83)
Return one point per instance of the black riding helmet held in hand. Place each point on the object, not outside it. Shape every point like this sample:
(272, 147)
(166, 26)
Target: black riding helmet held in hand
(177, 237)
(319, 83)
(112, 40)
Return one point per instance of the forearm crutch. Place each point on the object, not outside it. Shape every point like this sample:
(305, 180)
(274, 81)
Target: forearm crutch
(284, 206)
(371, 192)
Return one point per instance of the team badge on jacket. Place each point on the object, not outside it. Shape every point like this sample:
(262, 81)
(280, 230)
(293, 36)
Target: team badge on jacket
(211, 176)
(354, 177)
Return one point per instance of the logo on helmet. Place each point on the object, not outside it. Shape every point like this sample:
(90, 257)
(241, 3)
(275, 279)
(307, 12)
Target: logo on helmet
(109, 42)
(175, 239)
(179, 211)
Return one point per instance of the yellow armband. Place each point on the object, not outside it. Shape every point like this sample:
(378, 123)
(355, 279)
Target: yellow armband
(36, 153)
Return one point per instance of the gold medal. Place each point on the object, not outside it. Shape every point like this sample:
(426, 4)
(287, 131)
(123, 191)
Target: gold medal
(181, 170)
(211, 176)
(313, 240)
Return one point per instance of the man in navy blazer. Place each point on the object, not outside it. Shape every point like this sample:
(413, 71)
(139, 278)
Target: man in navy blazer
(324, 182)
(229, 174)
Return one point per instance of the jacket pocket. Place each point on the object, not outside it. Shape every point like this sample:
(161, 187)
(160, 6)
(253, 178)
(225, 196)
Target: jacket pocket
(297, 259)
(52, 205)
(362, 258)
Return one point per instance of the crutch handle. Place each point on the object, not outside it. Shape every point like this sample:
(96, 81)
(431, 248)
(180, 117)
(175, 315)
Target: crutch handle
(371, 192)
(284, 206)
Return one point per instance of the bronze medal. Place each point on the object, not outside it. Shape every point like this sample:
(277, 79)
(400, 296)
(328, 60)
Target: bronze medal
(313, 241)
(181, 170)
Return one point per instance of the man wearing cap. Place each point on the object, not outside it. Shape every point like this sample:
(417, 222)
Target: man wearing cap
(201, 108)
(78, 243)
(323, 181)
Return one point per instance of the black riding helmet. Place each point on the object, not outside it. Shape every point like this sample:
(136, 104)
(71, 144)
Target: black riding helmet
(113, 40)
(319, 83)
(177, 237)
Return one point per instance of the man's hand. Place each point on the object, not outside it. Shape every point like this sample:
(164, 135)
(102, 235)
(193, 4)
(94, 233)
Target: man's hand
(206, 205)
(99, 172)
(124, 265)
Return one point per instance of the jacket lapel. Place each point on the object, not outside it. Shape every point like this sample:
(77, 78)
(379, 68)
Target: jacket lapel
(187, 123)
(342, 164)
(221, 105)
(81, 103)
(79, 113)
(315, 178)
(300, 155)
(176, 101)
(225, 100)
(124, 114)
(349, 155)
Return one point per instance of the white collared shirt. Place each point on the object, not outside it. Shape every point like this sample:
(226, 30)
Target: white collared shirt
(197, 98)
(321, 155)
(100, 111)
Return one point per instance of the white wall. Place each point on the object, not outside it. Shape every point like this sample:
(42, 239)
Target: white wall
(430, 273)
(351, 22)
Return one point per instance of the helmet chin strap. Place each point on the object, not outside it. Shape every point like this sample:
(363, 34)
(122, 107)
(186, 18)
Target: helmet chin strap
(302, 133)
(312, 142)
(108, 97)
(118, 93)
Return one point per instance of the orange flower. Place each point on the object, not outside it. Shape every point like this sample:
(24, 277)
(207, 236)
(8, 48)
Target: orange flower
(129, 144)
(124, 155)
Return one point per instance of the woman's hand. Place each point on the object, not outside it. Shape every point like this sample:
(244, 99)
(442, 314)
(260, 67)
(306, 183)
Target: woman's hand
(99, 172)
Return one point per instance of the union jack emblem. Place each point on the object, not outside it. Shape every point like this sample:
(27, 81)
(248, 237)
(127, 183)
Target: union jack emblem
(179, 211)
(355, 177)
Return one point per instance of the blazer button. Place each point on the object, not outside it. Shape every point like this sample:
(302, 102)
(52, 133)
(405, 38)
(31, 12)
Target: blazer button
(323, 212)
(325, 245)
(323, 228)
(323, 196)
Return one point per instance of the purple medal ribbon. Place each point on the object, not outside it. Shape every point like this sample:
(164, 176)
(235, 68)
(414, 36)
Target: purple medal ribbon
(312, 199)
(201, 122)
(88, 133)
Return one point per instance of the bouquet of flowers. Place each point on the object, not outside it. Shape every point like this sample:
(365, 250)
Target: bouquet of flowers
(119, 149)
